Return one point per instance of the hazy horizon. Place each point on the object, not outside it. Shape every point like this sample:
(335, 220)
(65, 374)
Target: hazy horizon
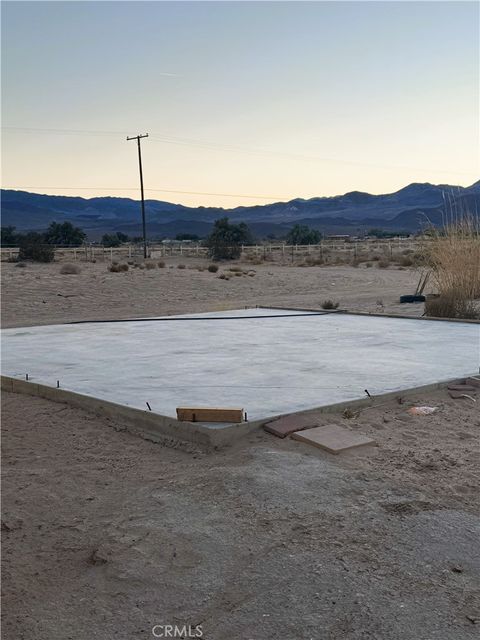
(244, 103)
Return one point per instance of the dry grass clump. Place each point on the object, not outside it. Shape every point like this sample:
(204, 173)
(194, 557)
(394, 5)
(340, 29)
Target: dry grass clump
(22, 265)
(383, 263)
(161, 264)
(453, 254)
(149, 265)
(330, 304)
(406, 261)
(118, 268)
(181, 266)
(224, 276)
(212, 268)
(451, 307)
(70, 269)
(236, 269)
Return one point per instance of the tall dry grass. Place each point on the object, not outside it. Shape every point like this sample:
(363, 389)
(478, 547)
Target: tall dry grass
(453, 254)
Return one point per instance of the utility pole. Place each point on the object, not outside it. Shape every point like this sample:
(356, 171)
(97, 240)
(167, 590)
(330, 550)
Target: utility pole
(137, 138)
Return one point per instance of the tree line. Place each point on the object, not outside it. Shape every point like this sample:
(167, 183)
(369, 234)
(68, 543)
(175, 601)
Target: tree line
(223, 243)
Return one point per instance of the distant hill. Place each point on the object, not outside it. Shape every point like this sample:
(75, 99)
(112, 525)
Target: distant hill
(408, 209)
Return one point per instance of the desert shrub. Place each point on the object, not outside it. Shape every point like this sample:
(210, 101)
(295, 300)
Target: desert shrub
(406, 261)
(32, 246)
(223, 276)
(141, 265)
(150, 265)
(20, 264)
(451, 306)
(161, 264)
(329, 304)
(200, 269)
(368, 265)
(213, 268)
(236, 269)
(383, 263)
(355, 262)
(376, 257)
(181, 266)
(70, 269)
(117, 268)
(238, 273)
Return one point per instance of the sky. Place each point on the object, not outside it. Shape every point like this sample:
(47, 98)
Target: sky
(244, 102)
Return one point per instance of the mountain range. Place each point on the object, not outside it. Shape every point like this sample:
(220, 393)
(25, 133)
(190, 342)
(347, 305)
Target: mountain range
(407, 210)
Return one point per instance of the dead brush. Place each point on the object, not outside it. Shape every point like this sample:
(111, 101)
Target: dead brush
(453, 254)
(451, 307)
(70, 269)
(329, 304)
(118, 268)
(150, 265)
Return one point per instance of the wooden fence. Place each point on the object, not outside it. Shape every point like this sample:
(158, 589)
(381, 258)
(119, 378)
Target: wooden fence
(351, 249)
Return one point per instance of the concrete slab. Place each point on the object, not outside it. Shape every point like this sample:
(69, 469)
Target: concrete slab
(333, 438)
(271, 362)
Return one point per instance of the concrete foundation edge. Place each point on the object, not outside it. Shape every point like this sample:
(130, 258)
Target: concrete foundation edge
(148, 425)
(171, 432)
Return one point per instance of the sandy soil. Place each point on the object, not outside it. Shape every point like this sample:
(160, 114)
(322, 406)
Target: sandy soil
(106, 535)
(40, 294)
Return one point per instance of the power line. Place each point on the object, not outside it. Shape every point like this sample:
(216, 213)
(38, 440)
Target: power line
(205, 144)
(195, 193)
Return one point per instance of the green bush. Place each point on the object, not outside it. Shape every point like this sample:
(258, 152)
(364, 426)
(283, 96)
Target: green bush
(302, 234)
(213, 268)
(33, 247)
(226, 240)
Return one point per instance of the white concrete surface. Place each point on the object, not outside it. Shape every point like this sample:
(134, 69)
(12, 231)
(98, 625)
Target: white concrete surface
(268, 366)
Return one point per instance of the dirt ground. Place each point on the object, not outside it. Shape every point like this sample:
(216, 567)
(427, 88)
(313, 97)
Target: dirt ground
(40, 294)
(106, 535)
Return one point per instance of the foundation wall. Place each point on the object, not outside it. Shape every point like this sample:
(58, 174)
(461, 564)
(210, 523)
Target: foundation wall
(171, 432)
